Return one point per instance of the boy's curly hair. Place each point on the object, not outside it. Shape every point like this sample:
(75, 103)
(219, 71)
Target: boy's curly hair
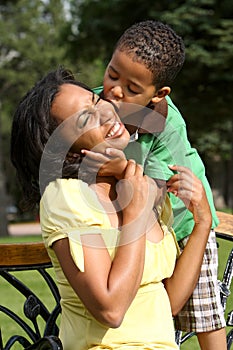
(157, 46)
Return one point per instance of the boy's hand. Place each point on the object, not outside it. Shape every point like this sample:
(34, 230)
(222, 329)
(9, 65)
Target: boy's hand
(112, 163)
(190, 189)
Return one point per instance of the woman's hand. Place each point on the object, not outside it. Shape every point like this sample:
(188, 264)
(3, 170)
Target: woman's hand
(189, 188)
(136, 195)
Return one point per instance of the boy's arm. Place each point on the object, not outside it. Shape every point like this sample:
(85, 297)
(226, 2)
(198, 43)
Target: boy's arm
(181, 284)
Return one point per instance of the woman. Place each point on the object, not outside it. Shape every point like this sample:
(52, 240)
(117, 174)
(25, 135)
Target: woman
(111, 256)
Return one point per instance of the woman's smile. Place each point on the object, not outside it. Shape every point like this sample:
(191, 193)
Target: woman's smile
(116, 130)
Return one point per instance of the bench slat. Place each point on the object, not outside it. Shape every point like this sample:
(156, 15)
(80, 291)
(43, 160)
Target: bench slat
(35, 253)
(23, 254)
(225, 226)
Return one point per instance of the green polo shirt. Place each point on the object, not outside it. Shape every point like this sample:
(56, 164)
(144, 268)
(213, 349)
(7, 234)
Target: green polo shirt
(171, 146)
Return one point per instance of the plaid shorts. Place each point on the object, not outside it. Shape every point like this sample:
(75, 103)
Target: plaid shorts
(203, 312)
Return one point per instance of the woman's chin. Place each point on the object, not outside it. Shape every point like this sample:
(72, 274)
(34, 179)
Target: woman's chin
(118, 144)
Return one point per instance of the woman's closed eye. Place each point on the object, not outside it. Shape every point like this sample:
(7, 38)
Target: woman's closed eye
(83, 119)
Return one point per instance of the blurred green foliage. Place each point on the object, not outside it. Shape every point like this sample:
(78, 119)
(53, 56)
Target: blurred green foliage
(38, 35)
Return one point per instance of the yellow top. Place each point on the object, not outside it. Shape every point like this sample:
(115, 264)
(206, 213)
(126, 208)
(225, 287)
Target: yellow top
(70, 208)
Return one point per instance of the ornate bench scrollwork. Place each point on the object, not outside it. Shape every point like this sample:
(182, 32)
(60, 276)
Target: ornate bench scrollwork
(25, 257)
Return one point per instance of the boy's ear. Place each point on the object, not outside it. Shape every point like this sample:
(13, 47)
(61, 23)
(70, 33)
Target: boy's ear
(160, 94)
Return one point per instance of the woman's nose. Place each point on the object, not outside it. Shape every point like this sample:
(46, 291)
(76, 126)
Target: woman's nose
(117, 92)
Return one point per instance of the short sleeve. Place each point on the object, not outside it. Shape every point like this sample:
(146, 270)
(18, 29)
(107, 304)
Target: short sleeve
(68, 209)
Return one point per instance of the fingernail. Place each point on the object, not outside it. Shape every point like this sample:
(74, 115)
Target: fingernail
(108, 151)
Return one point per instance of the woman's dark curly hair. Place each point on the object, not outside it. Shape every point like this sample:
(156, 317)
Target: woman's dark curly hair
(157, 47)
(31, 128)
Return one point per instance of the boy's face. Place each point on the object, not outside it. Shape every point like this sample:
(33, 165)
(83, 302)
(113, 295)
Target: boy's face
(128, 81)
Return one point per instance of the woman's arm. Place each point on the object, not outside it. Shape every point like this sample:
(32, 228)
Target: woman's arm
(108, 287)
(189, 188)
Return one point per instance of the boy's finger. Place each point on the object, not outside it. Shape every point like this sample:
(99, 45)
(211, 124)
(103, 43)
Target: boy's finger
(139, 169)
(115, 153)
(130, 169)
(94, 155)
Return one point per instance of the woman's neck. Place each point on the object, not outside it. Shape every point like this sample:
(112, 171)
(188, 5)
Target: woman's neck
(105, 189)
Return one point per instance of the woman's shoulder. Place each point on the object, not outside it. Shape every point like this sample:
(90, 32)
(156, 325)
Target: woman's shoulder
(70, 205)
(64, 188)
(69, 196)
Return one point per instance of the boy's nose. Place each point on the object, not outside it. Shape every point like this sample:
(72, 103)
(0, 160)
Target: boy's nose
(117, 92)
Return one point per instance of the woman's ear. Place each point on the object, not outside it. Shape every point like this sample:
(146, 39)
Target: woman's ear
(160, 94)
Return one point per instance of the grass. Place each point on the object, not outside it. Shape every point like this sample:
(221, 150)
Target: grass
(18, 239)
(11, 298)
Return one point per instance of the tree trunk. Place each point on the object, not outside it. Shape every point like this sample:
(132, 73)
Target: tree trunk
(3, 196)
(231, 175)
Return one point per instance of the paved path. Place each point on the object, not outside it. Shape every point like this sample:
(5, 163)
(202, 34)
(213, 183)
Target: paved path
(29, 228)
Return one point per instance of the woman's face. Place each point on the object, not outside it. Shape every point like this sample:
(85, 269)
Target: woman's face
(94, 121)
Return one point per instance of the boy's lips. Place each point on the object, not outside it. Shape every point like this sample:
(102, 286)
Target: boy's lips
(116, 130)
(115, 103)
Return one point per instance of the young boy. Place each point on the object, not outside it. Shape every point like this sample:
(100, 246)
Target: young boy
(144, 64)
